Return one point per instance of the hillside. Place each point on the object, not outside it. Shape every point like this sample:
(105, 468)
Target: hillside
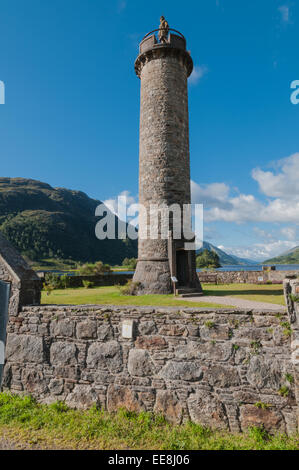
(288, 257)
(45, 222)
(225, 259)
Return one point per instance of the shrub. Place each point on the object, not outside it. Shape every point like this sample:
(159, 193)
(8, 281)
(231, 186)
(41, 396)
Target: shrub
(130, 262)
(130, 288)
(65, 281)
(284, 391)
(90, 269)
(54, 281)
(87, 284)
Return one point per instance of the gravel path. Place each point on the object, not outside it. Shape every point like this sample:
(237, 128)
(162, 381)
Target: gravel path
(240, 303)
(7, 444)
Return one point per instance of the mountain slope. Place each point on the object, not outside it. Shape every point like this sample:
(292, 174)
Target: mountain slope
(45, 222)
(288, 257)
(226, 259)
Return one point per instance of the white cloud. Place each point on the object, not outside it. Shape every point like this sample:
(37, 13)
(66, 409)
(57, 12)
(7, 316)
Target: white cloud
(283, 184)
(280, 204)
(289, 233)
(260, 251)
(120, 203)
(121, 5)
(263, 234)
(284, 10)
(212, 195)
(198, 72)
(281, 188)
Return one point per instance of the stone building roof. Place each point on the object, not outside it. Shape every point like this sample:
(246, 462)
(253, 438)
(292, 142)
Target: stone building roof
(14, 262)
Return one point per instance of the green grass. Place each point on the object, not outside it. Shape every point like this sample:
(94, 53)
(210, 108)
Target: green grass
(272, 293)
(55, 426)
(54, 264)
(111, 295)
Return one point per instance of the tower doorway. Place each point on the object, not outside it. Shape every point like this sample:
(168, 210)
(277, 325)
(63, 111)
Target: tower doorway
(182, 267)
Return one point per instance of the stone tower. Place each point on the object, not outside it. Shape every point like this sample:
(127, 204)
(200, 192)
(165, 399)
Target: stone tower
(163, 67)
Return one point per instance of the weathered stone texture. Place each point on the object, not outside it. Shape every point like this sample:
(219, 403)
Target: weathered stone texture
(251, 277)
(25, 286)
(175, 365)
(164, 161)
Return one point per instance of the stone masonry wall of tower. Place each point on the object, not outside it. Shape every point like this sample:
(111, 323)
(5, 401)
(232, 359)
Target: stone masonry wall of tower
(164, 174)
(164, 161)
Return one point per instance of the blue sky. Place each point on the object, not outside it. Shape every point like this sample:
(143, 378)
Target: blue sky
(72, 106)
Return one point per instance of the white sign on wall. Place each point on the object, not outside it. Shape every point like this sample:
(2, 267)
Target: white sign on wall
(127, 329)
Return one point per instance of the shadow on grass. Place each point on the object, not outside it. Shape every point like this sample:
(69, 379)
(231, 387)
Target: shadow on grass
(227, 293)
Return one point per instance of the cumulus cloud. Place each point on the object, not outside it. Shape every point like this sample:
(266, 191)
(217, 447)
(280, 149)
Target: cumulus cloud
(281, 188)
(283, 184)
(289, 233)
(279, 203)
(120, 204)
(212, 195)
(198, 72)
(260, 251)
(284, 10)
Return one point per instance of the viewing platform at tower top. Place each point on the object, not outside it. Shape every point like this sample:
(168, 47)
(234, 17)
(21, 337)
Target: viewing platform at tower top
(151, 46)
(174, 39)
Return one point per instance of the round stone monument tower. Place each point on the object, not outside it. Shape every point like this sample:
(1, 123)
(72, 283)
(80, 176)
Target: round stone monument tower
(163, 66)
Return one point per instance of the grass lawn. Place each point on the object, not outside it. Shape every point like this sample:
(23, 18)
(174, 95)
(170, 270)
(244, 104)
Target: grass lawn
(272, 293)
(111, 295)
(28, 424)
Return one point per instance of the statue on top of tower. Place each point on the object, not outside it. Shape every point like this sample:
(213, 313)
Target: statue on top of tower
(163, 30)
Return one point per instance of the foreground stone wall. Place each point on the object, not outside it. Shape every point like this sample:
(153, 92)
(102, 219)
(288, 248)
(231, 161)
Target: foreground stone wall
(226, 369)
(291, 292)
(251, 277)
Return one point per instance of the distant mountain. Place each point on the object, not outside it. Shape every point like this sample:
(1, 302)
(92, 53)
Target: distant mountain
(45, 222)
(288, 257)
(226, 259)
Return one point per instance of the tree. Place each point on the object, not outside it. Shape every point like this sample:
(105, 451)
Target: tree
(130, 262)
(208, 259)
(89, 269)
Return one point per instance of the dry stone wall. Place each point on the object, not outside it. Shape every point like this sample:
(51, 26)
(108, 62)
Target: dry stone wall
(254, 277)
(227, 369)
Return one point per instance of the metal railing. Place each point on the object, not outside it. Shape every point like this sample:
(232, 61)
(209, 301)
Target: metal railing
(162, 29)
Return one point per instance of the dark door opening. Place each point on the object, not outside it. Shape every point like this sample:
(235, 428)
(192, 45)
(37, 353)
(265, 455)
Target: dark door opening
(4, 300)
(182, 268)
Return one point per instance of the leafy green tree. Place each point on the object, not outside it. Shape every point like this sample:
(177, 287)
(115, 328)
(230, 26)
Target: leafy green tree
(208, 259)
(90, 269)
(130, 262)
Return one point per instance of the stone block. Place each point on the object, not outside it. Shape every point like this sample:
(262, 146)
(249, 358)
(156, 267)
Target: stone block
(168, 404)
(105, 355)
(206, 409)
(270, 419)
(147, 327)
(119, 396)
(86, 329)
(188, 371)
(62, 328)
(150, 342)
(25, 348)
(223, 376)
(139, 363)
(63, 353)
